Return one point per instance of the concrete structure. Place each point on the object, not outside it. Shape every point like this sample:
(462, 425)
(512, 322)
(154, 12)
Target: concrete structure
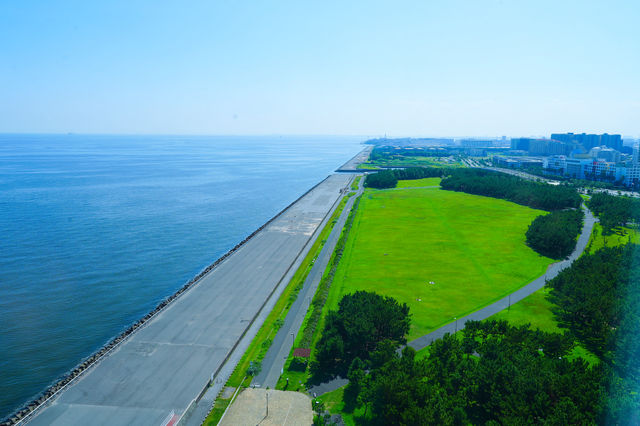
(269, 408)
(361, 157)
(597, 169)
(520, 144)
(604, 153)
(161, 368)
(541, 146)
(477, 143)
(549, 147)
(475, 152)
(516, 162)
(589, 141)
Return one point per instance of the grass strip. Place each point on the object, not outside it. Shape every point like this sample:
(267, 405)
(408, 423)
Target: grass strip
(444, 254)
(219, 408)
(355, 183)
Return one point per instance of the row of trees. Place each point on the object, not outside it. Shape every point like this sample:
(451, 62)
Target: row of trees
(554, 235)
(598, 300)
(511, 188)
(389, 178)
(363, 320)
(494, 374)
(614, 211)
(393, 152)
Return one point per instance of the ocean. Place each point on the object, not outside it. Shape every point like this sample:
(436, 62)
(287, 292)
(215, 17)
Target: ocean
(96, 230)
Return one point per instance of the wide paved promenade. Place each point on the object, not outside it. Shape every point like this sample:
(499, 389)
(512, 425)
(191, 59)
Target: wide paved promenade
(166, 364)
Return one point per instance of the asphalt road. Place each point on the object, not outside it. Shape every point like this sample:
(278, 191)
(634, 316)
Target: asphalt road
(277, 354)
(166, 364)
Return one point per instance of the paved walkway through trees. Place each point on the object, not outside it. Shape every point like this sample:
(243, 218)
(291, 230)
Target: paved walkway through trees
(492, 309)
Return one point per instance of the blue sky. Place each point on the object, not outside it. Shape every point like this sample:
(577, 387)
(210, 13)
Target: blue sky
(423, 68)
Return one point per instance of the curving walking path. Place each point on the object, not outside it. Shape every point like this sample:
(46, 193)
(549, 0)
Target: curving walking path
(502, 304)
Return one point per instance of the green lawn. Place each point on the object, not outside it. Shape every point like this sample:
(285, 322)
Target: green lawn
(472, 247)
(333, 404)
(535, 310)
(418, 183)
(621, 235)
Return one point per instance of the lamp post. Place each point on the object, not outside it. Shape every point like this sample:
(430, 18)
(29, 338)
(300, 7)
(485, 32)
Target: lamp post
(456, 318)
(293, 339)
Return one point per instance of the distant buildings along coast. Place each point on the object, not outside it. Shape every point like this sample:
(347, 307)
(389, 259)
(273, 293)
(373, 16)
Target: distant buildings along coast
(601, 157)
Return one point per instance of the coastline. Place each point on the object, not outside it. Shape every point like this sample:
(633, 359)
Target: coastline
(44, 398)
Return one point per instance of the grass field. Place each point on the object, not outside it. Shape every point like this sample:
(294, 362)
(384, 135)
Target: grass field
(621, 235)
(471, 247)
(416, 183)
(535, 310)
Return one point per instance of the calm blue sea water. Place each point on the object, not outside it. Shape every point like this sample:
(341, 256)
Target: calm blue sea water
(96, 230)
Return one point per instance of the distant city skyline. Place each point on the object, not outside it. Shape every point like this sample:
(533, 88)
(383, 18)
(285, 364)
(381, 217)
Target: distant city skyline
(409, 68)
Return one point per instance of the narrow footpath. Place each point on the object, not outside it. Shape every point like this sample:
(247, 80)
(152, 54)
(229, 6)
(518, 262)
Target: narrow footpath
(552, 271)
(274, 360)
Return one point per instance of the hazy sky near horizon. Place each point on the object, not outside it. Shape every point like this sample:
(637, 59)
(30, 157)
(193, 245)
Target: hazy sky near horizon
(404, 68)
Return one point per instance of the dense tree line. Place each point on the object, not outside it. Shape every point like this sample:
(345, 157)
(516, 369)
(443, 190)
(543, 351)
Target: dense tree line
(554, 235)
(355, 330)
(614, 211)
(499, 185)
(392, 152)
(495, 374)
(389, 178)
(598, 300)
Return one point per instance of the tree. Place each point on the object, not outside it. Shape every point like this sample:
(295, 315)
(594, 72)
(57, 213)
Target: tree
(554, 235)
(356, 376)
(498, 185)
(363, 320)
(510, 381)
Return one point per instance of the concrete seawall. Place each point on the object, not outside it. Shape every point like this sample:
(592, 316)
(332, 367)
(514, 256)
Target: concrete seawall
(351, 166)
(282, 226)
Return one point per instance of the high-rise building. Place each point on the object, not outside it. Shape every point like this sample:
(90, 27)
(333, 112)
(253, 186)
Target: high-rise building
(605, 153)
(549, 147)
(589, 141)
(476, 143)
(520, 144)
